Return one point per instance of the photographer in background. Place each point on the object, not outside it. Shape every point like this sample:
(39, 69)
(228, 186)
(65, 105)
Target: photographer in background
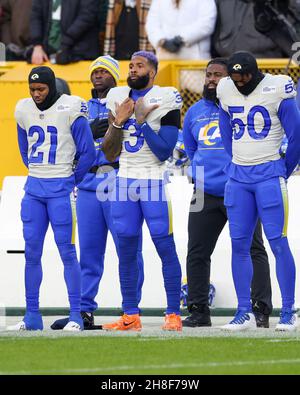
(280, 21)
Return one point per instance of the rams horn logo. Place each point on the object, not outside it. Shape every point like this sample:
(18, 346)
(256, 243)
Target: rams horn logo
(35, 77)
(237, 67)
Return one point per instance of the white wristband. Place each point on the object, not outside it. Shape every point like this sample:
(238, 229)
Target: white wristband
(116, 126)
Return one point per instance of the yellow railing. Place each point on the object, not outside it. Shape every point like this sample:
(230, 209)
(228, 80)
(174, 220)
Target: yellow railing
(187, 76)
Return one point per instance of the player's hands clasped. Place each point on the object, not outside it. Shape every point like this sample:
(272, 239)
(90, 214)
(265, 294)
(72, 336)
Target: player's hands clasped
(142, 111)
(124, 111)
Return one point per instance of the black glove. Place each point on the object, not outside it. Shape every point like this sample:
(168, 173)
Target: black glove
(173, 45)
(63, 56)
(99, 128)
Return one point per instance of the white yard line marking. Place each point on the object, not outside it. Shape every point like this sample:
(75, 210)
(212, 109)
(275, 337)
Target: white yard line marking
(282, 340)
(153, 367)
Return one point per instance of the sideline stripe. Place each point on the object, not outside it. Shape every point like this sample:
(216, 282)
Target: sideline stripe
(285, 199)
(153, 367)
(74, 217)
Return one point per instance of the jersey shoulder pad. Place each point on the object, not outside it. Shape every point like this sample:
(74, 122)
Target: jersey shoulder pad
(223, 86)
(285, 86)
(116, 95)
(22, 107)
(76, 105)
(171, 98)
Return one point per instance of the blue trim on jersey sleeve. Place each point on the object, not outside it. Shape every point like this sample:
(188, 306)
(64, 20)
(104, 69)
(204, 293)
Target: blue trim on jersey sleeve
(162, 143)
(225, 130)
(23, 144)
(289, 116)
(85, 150)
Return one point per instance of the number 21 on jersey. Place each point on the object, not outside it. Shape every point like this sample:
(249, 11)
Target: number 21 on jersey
(37, 152)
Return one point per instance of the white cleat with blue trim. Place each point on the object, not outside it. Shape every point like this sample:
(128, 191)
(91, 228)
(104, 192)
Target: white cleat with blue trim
(288, 321)
(72, 326)
(242, 321)
(20, 326)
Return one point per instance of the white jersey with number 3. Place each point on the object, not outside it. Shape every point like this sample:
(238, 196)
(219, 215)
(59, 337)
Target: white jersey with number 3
(257, 131)
(51, 148)
(137, 160)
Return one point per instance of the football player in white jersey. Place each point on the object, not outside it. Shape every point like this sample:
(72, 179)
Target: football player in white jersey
(256, 110)
(53, 131)
(144, 132)
(93, 208)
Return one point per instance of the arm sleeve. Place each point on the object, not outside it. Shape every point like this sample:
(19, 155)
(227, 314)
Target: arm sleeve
(162, 143)
(23, 144)
(225, 130)
(85, 150)
(189, 142)
(289, 116)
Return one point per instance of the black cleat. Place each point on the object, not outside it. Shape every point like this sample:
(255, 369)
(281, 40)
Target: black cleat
(88, 319)
(261, 313)
(262, 320)
(88, 322)
(59, 324)
(200, 316)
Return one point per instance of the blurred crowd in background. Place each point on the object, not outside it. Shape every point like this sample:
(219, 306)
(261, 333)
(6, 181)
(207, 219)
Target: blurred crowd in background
(67, 31)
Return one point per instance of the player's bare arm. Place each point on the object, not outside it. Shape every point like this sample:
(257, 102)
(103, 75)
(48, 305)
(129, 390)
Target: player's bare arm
(142, 111)
(112, 143)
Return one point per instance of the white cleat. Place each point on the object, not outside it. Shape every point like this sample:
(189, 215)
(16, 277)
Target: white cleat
(72, 326)
(20, 326)
(242, 322)
(288, 322)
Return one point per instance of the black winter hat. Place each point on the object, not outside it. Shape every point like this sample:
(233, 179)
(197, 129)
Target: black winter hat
(242, 62)
(45, 75)
(42, 75)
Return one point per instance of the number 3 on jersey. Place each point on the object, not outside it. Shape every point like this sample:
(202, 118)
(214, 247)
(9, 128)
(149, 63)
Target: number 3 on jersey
(137, 133)
(239, 126)
(37, 152)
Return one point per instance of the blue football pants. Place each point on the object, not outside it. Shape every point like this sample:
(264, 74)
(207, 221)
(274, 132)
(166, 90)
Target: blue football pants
(245, 203)
(36, 214)
(94, 220)
(129, 210)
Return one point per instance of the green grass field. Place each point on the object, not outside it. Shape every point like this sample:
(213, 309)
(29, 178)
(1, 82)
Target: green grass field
(149, 355)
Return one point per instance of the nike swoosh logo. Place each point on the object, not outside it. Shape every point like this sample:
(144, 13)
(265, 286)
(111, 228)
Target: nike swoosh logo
(124, 323)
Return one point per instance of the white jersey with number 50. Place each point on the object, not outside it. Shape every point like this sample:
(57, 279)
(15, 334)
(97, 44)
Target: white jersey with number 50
(137, 160)
(51, 148)
(257, 131)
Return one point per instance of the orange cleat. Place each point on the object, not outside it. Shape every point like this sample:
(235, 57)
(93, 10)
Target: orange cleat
(172, 323)
(125, 323)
